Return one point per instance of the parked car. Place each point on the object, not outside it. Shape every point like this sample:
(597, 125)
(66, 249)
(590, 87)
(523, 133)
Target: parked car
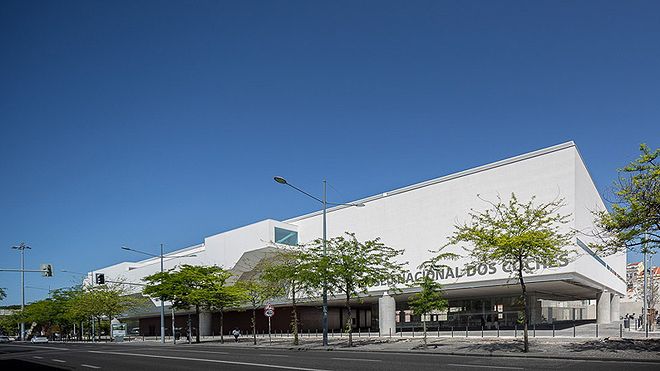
(39, 339)
(4, 339)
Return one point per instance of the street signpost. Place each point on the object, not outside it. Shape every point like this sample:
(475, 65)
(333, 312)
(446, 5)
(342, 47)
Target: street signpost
(269, 311)
(118, 332)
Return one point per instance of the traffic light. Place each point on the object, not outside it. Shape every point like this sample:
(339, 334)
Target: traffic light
(47, 270)
(100, 278)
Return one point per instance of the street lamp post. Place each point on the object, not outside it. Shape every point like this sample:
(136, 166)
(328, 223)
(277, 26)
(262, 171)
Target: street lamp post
(162, 304)
(325, 203)
(21, 247)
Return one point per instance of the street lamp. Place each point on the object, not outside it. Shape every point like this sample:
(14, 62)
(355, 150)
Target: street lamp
(325, 203)
(162, 305)
(21, 247)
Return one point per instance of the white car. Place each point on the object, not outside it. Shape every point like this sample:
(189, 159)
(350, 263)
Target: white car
(39, 339)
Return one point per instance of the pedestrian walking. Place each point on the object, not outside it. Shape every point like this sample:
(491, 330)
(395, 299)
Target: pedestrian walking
(236, 332)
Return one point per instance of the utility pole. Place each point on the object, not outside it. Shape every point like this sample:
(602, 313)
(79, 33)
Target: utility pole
(645, 310)
(21, 247)
(325, 204)
(162, 305)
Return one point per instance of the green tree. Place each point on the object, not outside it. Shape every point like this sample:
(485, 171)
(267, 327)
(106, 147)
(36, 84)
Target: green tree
(514, 233)
(428, 300)
(350, 267)
(256, 291)
(42, 313)
(3, 294)
(187, 286)
(223, 297)
(9, 324)
(634, 223)
(292, 269)
(98, 302)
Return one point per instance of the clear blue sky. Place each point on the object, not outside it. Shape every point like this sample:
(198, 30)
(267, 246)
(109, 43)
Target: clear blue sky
(136, 123)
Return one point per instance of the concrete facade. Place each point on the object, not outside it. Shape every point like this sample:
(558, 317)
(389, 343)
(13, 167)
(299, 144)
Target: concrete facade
(419, 218)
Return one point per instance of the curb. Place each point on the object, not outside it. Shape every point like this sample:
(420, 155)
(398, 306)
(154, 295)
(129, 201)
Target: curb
(461, 354)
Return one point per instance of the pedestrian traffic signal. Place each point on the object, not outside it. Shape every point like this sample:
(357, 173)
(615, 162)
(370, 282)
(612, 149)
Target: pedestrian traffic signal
(100, 278)
(47, 270)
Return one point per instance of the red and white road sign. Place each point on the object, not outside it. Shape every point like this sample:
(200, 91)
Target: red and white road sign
(269, 311)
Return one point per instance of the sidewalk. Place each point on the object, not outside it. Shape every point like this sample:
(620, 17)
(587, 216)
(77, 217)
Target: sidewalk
(644, 350)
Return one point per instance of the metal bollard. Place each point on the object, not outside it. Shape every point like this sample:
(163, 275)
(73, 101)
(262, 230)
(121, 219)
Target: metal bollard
(466, 331)
(596, 330)
(359, 332)
(482, 331)
(390, 332)
(553, 330)
(515, 331)
(573, 328)
(621, 330)
(438, 331)
(452, 331)
(413, 331)
(534, 331)
(498, 329)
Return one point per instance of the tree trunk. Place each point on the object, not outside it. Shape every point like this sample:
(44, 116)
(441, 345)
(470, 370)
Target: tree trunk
(295, 315)
(254, 325)
(424, 324)
(526, 308)
(222, 326)
(199, 321)
(349, 321)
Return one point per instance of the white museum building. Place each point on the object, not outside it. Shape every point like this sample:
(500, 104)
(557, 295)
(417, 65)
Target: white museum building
(416, 219)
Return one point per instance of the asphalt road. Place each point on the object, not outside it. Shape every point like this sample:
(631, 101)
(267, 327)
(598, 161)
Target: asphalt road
(133, 357)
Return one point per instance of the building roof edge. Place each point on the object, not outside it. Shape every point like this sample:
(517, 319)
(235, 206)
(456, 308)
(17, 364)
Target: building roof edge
(445, 178)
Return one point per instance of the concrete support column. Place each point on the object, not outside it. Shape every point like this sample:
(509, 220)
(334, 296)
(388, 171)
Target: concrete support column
(534, 305)
(205, 323)
(387, 315)
(603, 307)
(614, 308)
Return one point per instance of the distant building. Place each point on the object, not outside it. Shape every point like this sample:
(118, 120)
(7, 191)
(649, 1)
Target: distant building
(634, 278)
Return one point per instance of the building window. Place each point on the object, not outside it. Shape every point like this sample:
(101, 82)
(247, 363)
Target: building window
(285, 236)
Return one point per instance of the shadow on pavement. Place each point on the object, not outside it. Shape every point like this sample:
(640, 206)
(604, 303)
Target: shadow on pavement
(508, 346)
(614, 345)
(17, 364)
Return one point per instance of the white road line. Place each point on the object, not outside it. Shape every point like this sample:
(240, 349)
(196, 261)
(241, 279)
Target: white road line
(358, 359)
(37, 346)
(485, 366)
(37, 357)
(189, 351)
(58, 360)
(273, 355)
(209, 360)
(89, 366)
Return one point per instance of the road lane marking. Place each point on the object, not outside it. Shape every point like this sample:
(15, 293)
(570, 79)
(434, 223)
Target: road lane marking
(89, 366)
(484, 366)
(58, 360)
(37, 346)
(209, 360)
(37, 357)
(273, 355)
(189, 350)
(358, 359)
